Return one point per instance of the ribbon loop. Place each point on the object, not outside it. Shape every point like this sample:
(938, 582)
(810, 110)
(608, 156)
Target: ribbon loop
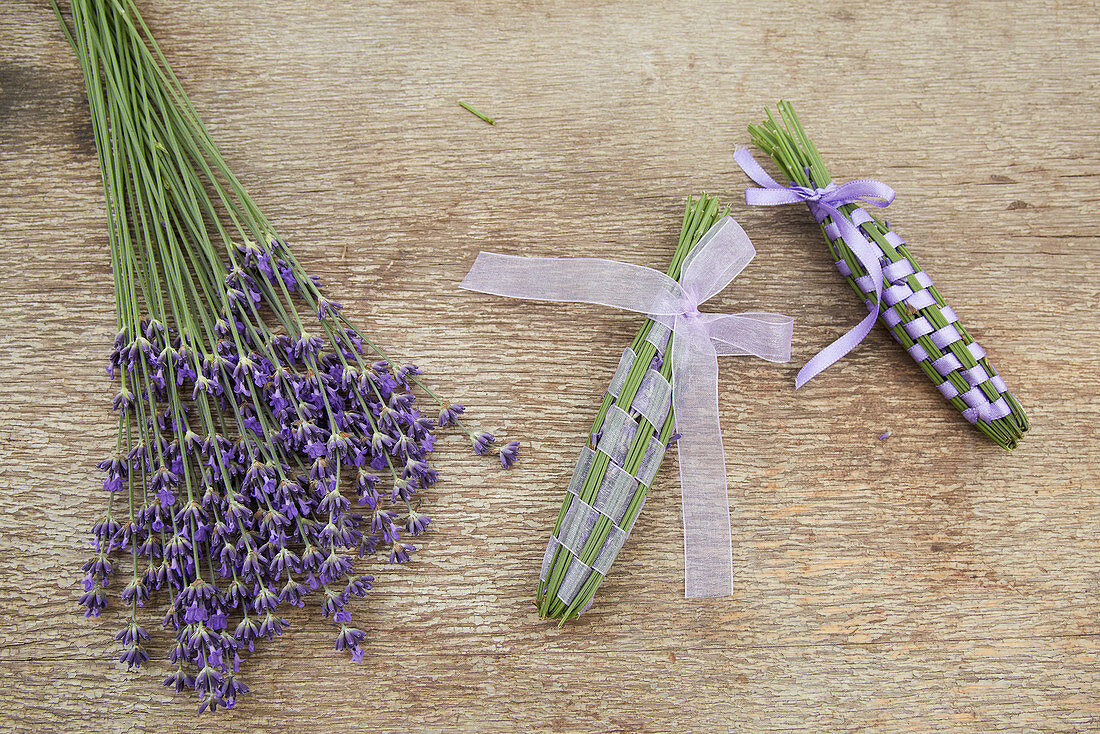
(582, 279)
(825, 203)
(719, 257)
(699, 339)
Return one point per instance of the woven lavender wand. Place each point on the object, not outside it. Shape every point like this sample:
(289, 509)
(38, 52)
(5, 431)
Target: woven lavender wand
(567, 588)
(632, 430)
(670, 369)
(880, 269)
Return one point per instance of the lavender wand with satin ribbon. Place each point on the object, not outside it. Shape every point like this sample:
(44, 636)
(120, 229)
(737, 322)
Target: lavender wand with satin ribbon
(881, 270)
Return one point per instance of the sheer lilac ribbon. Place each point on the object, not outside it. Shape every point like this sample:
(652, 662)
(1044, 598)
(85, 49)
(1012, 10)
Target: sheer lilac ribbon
(699, 339)
(826, 202)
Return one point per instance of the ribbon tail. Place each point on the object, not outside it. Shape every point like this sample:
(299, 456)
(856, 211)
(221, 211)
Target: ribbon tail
(835, 351)
(708, 545)
(759, 334)
(868, 256)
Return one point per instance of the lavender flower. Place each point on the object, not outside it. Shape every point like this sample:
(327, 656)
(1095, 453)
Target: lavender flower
(509, 453)
(449, 415)
(482, 442)
(416, 523)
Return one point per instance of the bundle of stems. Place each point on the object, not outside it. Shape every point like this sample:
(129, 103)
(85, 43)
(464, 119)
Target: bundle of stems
(920, 319)
(246, 400)
(593, 522)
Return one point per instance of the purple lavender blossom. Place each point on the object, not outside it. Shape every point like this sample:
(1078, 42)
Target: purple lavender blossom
(236, 500)
(449, 415)
(400, 552)
(509, 453)
(482, 442)
(327, 309)
(417, 523)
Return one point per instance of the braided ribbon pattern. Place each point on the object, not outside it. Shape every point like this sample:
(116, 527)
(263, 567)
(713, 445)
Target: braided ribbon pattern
(647, 412)
(700, 338)
(895, 291)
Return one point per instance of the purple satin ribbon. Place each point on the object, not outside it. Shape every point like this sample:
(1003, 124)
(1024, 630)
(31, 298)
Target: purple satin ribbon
(826, 202)
(699, 339)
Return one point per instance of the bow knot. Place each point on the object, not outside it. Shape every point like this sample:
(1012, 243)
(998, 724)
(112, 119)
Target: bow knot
(825, 203)
(808, 194)
(689, 307)
(698, 340)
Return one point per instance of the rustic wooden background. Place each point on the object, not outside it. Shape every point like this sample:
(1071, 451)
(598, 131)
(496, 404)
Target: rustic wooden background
(929, 582)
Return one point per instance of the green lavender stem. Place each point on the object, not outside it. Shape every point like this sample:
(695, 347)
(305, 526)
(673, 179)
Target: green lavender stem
(476, 113)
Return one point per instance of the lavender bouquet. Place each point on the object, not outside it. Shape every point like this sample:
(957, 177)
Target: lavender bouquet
(247, 403)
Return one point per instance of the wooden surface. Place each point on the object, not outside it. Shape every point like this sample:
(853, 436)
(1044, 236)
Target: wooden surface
(929, 582)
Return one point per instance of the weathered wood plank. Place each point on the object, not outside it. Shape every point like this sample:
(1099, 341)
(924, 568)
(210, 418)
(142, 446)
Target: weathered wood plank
(928, 582)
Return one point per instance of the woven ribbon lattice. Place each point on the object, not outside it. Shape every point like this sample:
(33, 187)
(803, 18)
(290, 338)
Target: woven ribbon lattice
(927, 327)
(876, 263)
(618, 489)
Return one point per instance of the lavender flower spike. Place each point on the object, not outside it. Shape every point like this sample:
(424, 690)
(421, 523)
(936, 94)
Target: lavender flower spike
(482, 442)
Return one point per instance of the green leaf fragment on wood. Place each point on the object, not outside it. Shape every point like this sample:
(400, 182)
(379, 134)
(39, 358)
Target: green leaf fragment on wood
(476, 113)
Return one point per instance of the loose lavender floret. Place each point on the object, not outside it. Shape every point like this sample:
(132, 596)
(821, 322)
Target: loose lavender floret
(509, 453)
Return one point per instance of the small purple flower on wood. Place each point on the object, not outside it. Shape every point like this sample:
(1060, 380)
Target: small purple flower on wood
(482, 441)
(449, 415)
(509, 453)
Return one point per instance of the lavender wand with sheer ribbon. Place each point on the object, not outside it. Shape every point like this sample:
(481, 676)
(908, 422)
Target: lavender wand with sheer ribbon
(671, 369)
(881, 270)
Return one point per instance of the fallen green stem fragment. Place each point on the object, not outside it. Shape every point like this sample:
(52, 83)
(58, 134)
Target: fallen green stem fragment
(476, 113)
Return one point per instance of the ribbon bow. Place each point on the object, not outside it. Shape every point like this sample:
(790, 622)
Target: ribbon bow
(698, 340)
(826, 202)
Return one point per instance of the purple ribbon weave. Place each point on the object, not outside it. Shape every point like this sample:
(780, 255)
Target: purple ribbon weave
(826, 202)
(890, 284)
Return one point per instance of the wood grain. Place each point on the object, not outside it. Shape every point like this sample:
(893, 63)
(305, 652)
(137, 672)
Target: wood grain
(929, 582)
